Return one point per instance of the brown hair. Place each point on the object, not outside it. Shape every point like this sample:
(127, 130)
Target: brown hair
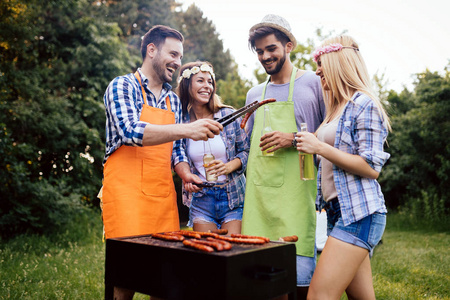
(182, 90)
(265, 31)
(157, 35)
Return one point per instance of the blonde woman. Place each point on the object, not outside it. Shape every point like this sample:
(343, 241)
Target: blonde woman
(349, 144)
(219, 205)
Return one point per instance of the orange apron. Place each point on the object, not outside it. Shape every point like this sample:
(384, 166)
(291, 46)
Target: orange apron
(138, 191)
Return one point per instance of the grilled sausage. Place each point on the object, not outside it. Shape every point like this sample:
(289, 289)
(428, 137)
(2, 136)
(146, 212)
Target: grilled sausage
(247, 115)
(245, 119)
(187, 233)
(216, 245)
(292, 238)
(198, 246)
(207, 234)
(242, 240)
(168, 237)
(237, 235)
(265, 101)
(226, 245)
(220, 231)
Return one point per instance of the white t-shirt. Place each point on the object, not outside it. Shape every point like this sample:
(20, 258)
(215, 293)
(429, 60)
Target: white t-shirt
(197, 149)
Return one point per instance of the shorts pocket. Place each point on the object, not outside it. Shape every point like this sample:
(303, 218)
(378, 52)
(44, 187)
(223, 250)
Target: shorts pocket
(270, 171)
(377, 228)
(156, 178)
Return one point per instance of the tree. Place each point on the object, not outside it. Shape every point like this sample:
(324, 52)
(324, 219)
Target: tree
(202, 42)
(56, 60)
(417, 174)
(135, 18)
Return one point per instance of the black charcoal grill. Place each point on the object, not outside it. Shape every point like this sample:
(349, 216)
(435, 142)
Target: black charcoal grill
(170, 270)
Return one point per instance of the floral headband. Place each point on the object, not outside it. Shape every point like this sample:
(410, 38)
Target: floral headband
(194, 70)
(329, 48)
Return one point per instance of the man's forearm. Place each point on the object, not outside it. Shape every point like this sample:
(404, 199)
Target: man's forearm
(160, 134)
(198, 130)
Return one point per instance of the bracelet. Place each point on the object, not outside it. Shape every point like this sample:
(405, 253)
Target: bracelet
(294, 141)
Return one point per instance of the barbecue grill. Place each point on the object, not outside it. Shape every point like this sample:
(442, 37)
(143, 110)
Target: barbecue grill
(170, 270)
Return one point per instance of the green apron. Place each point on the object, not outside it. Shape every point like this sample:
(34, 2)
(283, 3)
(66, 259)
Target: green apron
(277, 202)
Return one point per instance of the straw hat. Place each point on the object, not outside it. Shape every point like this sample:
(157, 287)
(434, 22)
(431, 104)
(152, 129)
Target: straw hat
(276, 22)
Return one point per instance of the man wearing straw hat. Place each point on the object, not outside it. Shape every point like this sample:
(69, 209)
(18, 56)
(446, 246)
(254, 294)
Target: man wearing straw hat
(277, 202)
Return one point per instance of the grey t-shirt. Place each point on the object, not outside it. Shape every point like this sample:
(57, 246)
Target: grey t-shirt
(308, 100)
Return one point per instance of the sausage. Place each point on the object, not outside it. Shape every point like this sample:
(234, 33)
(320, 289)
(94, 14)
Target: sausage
(207, 234)
(194, 245)
(265, 101)
(247, 115)
(242, 240)
(238, 235)
(245, 119)
(220, 231)
(187, 233)
(168, 237)
(226, 245)
(292, 238)
(216, 245)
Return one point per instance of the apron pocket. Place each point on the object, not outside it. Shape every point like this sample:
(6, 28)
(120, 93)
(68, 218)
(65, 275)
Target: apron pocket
(156, 180)
(270, 170)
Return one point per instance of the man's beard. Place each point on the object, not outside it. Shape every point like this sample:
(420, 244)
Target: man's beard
(160, 69)
(278, 66)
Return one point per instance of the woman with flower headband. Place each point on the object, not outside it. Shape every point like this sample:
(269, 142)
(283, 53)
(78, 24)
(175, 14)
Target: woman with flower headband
(349, 144)
(219, 205)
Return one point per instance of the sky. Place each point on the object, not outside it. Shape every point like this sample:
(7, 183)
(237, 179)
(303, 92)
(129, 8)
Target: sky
(397, 38)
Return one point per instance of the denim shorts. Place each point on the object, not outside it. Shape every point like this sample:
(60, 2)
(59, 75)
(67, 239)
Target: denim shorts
(211, 205)
(365, 233)
(305, 269)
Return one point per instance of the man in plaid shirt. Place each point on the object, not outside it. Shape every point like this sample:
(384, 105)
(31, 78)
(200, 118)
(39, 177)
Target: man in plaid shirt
(142, 112)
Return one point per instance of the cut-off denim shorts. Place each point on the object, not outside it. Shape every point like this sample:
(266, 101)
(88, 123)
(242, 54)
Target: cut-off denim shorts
(210, 205)
(365, 233)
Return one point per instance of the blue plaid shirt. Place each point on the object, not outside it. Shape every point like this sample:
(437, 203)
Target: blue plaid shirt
(123, 102)
(360, 131)
(237, 146)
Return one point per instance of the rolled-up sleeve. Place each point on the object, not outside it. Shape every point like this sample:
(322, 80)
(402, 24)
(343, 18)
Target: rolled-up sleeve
(124, 112)
(242, 145)
(370, 136)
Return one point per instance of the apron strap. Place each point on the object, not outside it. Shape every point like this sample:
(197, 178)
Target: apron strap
(144, 94)
(291, 85)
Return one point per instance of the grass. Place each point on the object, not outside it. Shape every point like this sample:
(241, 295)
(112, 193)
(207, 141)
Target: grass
(409, 264)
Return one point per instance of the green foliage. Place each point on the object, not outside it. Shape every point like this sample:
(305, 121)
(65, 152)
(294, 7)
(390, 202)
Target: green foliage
(70, 264)
(56, 60)
(417, 175)
(233, 90)
(202, 42)
(136, 17)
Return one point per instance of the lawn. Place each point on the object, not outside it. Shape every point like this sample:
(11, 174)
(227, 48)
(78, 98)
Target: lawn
(409, 264)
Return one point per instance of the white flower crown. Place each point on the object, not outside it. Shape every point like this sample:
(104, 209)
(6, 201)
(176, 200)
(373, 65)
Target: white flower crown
(194, 70)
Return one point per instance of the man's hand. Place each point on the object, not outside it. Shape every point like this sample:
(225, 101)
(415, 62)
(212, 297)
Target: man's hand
(203, 129)
(277, 140)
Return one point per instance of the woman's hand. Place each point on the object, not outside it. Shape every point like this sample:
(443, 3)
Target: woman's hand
(189, 183)
(218, 167)
(308, 143)
(352, 163)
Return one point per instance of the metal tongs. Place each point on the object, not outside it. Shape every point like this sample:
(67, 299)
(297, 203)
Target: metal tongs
(250, 108)
(228, 119)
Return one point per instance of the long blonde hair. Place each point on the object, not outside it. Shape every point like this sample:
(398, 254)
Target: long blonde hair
(345, 72)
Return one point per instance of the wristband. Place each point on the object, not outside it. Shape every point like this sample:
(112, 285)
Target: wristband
(294, 141)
